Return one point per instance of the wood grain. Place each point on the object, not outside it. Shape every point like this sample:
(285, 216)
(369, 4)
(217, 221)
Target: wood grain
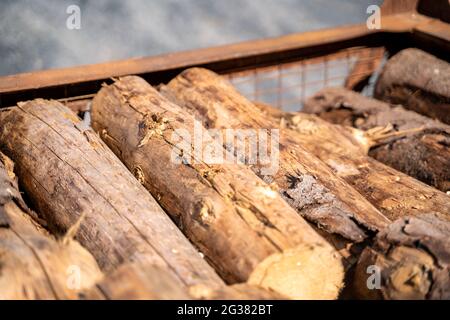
(241, 225)
(33, 263)
(79, 186)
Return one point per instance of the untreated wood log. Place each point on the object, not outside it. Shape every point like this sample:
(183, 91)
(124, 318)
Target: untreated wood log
(34, 264)
(79, 186)
(418, 146)
(403, 272)
(408, 260)
(241, 225)
(418, 81)
(133, 281)
(137, 281)
(303, 180)
(345, 151)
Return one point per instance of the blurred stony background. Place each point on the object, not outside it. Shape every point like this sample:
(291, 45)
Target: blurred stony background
(33, 33)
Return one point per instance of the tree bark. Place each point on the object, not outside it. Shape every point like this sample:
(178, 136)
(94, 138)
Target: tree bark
(408, 260)
(79, 186)
(33, 264)
(422, 87)
(241, 225)
(132, 281)
(400, 252)
(306, 183)
(345, 151)
(423, 151)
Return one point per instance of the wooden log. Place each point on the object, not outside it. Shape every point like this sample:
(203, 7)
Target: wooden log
(345, 151)
(418, 81)
(133, 281)
(408, 260)
(305, 182)
(76, 183)
(398, 196)
(34, 264)
(421, 151)
(241, 225)
(137, 281)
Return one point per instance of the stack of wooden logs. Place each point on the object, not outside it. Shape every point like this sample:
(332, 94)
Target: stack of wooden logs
(354, 202)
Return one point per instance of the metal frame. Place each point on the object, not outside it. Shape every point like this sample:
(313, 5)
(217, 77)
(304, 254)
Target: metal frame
(402, 27)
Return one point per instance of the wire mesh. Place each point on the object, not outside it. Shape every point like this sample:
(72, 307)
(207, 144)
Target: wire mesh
(287, 85)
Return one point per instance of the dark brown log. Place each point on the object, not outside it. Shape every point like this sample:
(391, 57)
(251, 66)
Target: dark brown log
(306, 183)
(73, 179)
(421, 151)
(133, 281)
(418, 81)
(34, 264)
(409, 260)
(345, 151)
(241, 225)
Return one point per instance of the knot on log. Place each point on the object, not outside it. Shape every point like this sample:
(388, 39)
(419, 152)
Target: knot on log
(152, 125)
(203, 212)
(139, 174)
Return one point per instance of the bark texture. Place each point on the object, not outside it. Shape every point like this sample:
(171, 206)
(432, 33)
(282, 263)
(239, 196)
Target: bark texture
(423, 151)
(79, 186)
(34, 264)
(234, 218)
(345, 151)
(302, 179)
(133, 281)
(409, 260)
(417, 80)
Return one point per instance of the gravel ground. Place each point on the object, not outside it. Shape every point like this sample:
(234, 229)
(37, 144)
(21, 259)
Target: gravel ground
(33, 34)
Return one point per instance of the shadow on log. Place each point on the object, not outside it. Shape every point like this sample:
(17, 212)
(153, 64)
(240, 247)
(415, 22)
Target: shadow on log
(34, 264)
(240, 223)
(81, 188)
(417, 145)
(418, 81)
(409, 260)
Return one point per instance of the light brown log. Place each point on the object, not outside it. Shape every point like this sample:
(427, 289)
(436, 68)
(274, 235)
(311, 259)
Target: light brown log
(423, 152)
(305, 182)
(345, 151)
(34, 264)
(408, 260)
(137, 281)
(76, 183)
(241, 225)
(133, 281)
(418, 81)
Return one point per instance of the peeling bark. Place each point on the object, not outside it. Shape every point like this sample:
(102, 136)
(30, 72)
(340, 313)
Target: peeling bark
(233, 217)
(345, 151)
(135, 281)
(303, 180)
(421, 87)
(80, 187)
(34, 264)
(412, 258)
(423, 151)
